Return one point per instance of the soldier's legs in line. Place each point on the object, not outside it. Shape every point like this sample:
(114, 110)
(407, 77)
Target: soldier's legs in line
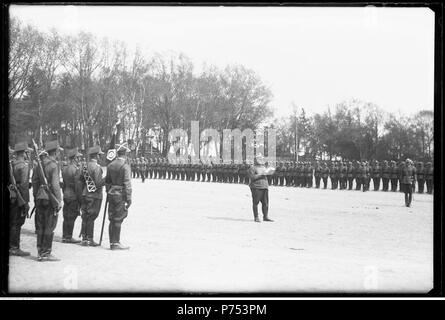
(116, 214)
(70, 213)
(421, 186)
(325, 183)
(310, 183)
(429, 186)
(364, 185)
(39, 221)
(48, 233)
(16, 221)
(90, 212)
(332, 184)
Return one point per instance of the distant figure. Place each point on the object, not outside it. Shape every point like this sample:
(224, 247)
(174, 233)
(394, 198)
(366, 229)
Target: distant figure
(259, 187)
(408, 179)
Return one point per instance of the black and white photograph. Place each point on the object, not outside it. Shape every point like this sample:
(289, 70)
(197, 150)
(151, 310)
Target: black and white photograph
(218, 149)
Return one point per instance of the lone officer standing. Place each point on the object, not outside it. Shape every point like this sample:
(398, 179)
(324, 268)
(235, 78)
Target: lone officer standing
(46, 214)
(259, 188)
(408, 179)
(118, 186)
(91, 196)
(18, 212)
(72, 195)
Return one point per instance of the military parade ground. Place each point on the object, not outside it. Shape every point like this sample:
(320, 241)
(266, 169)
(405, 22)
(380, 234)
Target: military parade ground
(189, 236)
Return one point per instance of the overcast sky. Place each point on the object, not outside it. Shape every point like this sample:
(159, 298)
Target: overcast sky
(313, 57)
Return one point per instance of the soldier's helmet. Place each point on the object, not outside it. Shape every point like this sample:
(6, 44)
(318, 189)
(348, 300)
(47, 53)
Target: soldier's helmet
(429, 164)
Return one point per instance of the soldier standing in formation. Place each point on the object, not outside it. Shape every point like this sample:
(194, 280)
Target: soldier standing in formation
(91, 198)
(343, 176)
(386, 175)
(18, 213)
(420, 177)
(394, 176)
(118, 187)
(46, 214)
(407, 180)
(350, 175)
(429, 177)
(72, 195)
(317, 174)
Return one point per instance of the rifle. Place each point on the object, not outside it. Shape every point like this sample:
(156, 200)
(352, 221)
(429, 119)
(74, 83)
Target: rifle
(55, 203)
(13, 188)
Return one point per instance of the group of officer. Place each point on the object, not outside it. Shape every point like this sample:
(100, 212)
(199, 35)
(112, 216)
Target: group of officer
(344, 175)
(79, 183)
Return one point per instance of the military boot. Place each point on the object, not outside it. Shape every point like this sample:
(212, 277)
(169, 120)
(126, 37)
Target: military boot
(118, 246)
(18, 252)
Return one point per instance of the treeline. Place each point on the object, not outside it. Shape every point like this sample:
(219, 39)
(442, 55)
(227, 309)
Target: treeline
(356, 130)
(75, 88)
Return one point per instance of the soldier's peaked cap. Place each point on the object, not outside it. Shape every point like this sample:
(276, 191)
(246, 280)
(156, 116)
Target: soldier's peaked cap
(52, 145)
(121, 148)
(21, 146)
(95, 150)
(73, 153)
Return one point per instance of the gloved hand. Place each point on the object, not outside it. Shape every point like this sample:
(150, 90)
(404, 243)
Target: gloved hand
(128, 204)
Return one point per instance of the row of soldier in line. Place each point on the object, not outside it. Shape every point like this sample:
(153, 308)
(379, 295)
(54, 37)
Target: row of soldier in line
(79, 184)
(298, 174)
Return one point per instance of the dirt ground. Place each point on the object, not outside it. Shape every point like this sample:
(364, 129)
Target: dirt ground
(200, 237)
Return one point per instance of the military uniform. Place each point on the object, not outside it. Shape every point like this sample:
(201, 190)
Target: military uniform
(309, 175)
(259, 189)
(91, 201)
(317, 174)
(386, 175)
(343, 172)
(46, 214)
(376, 173)
(118, 187)
(350, 175)
(407, 180)
(366, 178)
(334, 177)
(420, 177)
(394, 176)
(72, 196)
(324, 175)
(17, 214)
(429, 177)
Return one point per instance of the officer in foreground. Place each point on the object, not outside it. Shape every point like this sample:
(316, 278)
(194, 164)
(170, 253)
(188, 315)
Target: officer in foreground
(118, 187)
(260, 188)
